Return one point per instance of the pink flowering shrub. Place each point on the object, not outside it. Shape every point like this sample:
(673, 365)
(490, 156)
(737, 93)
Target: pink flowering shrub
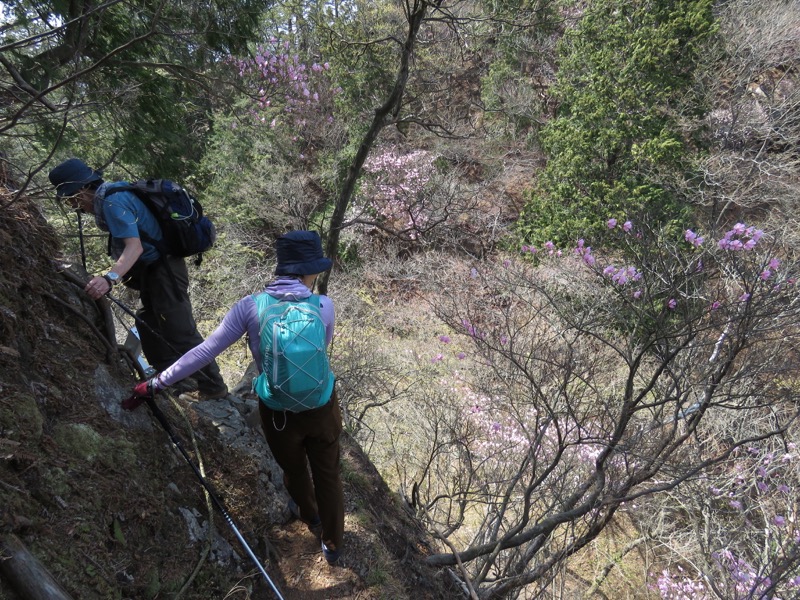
(694, 271)
(394, 186)
(288, 94)
(419, 199)
(599, 384)
(750, 511)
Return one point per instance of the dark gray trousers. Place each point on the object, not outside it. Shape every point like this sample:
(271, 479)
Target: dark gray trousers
(169, 329)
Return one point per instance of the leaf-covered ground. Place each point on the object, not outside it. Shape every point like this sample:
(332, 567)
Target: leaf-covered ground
(112, 510)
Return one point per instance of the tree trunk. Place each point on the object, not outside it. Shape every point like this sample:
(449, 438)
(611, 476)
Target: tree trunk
(384, 115)
(29, 578)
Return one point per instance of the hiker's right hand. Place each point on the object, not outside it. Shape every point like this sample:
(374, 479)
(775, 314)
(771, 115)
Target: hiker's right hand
(141, 392)
(144, 389)
(97, 287)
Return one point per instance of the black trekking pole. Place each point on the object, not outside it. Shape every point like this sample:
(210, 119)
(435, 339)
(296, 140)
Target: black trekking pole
(177, 443)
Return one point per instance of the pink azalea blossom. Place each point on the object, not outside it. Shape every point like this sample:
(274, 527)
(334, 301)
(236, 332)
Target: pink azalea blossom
(437, 358)
(627, 226)
(444, 339)
(611, 223)
(461, 356)
(672, 303)
(715, 305)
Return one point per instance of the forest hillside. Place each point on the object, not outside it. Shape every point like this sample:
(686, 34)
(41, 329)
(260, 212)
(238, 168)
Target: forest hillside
(565, 259)
(106, 504)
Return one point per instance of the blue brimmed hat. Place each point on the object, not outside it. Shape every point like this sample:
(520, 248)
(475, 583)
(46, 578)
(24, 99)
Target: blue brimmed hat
(72, 175)
(300, 253)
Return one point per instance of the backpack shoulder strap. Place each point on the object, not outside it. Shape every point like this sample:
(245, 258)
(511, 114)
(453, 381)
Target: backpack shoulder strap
(140, 189)
(263, 300)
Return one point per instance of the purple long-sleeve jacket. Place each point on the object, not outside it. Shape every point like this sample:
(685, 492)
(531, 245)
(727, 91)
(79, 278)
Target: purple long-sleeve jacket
(241, 319)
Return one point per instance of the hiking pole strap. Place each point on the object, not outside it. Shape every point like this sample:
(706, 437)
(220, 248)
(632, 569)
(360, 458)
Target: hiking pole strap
(80, 237)
(151, 403)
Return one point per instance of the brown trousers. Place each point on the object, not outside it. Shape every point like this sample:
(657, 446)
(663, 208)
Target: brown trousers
(310, 438)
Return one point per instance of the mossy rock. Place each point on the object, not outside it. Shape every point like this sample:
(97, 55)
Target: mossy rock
(56, 481)
(78, 441)
(20, 418)
(82, 443)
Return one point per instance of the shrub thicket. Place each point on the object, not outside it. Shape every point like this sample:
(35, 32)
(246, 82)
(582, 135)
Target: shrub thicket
(616, 143)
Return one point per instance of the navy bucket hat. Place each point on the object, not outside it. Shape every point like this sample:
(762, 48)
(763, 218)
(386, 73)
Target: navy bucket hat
(72, 175)
(300, 253)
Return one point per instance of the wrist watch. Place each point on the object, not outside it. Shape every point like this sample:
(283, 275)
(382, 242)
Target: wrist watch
(112, 278)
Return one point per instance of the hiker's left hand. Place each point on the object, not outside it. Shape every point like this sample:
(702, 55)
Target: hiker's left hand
(141, 392)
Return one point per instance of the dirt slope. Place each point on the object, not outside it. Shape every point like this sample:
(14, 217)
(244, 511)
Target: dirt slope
(111, 509)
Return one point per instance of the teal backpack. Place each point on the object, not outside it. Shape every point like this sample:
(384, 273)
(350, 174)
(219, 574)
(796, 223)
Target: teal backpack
(295, 372)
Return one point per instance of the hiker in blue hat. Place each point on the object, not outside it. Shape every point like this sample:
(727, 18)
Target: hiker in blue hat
(288, 329)
(167, 326)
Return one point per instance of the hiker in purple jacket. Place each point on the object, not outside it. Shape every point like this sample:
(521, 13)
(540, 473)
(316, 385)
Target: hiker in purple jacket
(297, 438)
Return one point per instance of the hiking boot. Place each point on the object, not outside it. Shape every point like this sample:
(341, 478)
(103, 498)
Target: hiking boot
(332, 556)
(314, 525)
(205, 394)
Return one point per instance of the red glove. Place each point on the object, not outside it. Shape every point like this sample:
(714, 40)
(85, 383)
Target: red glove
(141, 392)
